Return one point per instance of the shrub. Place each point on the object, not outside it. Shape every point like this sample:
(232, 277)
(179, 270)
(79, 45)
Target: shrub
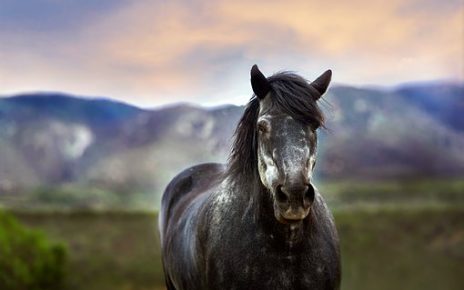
(28, 260)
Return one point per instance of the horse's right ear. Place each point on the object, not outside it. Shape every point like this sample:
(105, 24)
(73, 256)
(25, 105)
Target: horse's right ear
(259, 83)
(322, 82)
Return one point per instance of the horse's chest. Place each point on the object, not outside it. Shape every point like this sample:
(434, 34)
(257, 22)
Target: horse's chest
(266, 268)
(287, 273)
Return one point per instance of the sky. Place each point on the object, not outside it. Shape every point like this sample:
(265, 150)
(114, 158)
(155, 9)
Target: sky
(154, 52)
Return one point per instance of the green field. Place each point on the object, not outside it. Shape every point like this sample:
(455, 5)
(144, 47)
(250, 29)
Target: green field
(382, 247)
(338, 193)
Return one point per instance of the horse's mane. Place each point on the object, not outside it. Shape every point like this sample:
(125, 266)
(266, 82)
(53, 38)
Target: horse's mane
(291, 94)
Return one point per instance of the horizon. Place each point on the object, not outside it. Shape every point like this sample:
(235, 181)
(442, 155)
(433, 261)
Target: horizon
(224, 103)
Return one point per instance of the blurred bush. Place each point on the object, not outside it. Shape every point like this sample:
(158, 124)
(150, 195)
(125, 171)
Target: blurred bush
(28, 260)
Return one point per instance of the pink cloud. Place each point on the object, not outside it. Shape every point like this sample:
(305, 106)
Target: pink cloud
(201, 51)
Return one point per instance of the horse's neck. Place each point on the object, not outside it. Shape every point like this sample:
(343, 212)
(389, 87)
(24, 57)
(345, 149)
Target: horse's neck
(253, 197)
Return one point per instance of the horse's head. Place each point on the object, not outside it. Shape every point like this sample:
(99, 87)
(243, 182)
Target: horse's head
(286, 139)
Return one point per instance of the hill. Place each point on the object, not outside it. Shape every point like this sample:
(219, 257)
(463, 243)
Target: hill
(62, 141)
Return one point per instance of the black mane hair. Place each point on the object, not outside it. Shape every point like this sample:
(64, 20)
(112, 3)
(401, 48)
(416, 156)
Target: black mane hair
(291, 94)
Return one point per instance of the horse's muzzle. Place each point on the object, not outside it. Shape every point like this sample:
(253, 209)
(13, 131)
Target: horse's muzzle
(292, 204)
(291, 215)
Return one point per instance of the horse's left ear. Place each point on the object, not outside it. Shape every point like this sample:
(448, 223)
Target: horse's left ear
(322, 82)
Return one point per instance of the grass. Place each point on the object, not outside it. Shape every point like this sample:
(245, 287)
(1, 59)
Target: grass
(338, 193)
(430, 192)
(417, 248)
(382, 247)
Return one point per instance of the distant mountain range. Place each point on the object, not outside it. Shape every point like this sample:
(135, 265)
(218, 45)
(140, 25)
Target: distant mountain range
(56, 139)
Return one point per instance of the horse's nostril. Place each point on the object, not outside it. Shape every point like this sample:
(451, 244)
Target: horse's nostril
(309, 194)
(280, 195)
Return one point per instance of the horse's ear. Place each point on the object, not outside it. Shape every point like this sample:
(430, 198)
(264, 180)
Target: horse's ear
(322, 82)
(259, 83)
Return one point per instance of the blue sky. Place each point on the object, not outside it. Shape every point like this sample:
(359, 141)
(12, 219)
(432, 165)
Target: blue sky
(151, 53)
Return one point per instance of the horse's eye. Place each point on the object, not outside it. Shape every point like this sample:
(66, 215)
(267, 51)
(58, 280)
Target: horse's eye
(263, 127)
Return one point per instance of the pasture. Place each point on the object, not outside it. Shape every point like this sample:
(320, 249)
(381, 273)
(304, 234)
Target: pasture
(383, 247)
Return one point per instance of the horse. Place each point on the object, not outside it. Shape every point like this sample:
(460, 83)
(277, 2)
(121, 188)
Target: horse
(257, 222)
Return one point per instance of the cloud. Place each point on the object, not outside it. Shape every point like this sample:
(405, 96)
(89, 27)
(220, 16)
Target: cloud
(154, 52)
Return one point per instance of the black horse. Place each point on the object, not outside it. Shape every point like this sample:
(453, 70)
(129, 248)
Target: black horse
(257, 222)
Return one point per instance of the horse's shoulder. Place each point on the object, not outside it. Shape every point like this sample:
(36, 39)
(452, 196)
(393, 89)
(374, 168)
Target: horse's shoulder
(205, 169)
(191, 174)
(188, 184)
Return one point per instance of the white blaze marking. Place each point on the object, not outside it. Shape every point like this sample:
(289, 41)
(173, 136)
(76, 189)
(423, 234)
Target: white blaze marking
(294, 157)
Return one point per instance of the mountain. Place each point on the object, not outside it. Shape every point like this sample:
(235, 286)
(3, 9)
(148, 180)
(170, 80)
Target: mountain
(56, 140)
(97, 113)
(443, 101)
(388, 134)
(44, 136)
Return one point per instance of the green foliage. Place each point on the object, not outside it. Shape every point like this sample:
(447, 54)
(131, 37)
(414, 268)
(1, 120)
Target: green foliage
(107, 250)
(27, 259)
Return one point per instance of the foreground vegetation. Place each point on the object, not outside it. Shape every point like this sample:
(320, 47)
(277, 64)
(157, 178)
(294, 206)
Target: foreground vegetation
(112, 250)
(382, 247)
(28, 260)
